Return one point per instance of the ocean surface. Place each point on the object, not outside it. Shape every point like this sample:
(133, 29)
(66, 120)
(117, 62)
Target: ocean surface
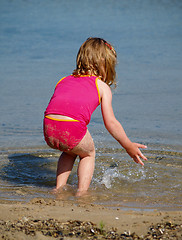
(39, 41)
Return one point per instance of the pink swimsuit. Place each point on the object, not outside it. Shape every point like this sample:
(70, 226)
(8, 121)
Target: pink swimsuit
(75, 97)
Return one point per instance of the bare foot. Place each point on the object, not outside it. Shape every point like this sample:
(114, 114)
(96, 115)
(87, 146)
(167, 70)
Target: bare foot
(81, 193)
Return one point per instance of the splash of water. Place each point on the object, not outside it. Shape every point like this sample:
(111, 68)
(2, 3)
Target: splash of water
(131, 175)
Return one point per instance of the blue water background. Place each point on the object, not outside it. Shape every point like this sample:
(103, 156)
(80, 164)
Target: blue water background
(39, 41)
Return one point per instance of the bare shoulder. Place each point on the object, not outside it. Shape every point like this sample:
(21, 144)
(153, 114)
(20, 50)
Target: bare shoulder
(104, 89)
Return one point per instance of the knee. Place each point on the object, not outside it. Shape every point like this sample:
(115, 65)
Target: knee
(88, 151)
(92, 153)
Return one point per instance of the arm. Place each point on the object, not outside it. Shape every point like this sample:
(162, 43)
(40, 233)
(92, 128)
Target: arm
(115, 128)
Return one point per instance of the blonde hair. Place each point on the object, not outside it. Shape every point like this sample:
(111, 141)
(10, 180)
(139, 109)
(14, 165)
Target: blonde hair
(97, 57)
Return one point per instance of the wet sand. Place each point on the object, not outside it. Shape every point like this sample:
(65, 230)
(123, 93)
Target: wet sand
(15, 217)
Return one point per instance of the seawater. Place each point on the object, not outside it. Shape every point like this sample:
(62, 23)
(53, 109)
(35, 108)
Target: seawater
(117, 183)
(39, 41)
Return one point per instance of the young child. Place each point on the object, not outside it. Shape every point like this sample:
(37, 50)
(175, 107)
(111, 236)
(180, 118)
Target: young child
(69, 111)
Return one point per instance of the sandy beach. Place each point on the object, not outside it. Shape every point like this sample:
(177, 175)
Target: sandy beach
(15, 217)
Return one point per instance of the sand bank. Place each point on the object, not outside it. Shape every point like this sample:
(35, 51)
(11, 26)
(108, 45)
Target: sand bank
(117, 220)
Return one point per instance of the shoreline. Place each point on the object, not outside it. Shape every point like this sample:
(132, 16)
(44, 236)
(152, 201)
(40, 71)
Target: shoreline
(120, 221)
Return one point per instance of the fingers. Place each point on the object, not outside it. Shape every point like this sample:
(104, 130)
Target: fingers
(138, 160)
(136, 154)
(141, 145)
(140, 155)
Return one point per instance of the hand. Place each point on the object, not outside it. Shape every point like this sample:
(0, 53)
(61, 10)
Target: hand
(135, 153)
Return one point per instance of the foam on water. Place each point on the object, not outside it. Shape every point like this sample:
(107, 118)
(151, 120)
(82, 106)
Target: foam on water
(112, 175)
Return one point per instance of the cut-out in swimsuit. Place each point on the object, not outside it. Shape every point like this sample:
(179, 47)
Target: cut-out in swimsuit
(76, 98)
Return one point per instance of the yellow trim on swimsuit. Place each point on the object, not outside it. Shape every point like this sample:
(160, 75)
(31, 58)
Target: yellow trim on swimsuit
(96, 83)
(59, 81)
(62, 120)
(87, 76)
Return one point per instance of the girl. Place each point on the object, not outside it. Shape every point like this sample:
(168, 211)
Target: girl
(70, 109)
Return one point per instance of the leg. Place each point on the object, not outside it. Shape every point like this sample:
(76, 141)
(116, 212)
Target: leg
(63, 136)
(86, 151)
(85, 173)
(65, 165)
